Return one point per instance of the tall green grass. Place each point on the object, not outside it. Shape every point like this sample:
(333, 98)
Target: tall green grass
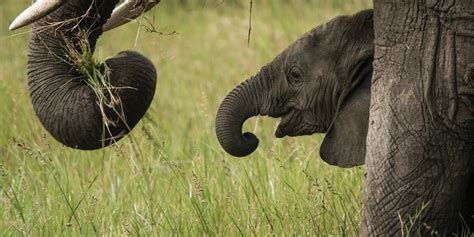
(170, 176)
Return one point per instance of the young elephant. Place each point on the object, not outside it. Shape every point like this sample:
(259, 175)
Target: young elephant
(319, 84)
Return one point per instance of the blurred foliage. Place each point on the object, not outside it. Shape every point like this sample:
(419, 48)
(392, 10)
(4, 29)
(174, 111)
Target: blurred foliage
(190, 4)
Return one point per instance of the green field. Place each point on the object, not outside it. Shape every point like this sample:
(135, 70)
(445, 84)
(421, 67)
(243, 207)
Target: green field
(171, 177)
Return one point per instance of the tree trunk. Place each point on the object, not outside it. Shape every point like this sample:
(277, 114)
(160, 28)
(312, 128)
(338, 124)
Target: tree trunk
(420, 143)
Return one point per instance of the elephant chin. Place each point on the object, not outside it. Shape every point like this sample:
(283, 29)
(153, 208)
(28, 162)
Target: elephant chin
(285, 127)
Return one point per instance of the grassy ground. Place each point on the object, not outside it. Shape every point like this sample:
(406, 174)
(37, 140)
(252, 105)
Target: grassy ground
(179, 180)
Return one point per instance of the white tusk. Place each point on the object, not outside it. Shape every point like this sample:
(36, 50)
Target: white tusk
(127, 11)
(119, 15)
(34, 12)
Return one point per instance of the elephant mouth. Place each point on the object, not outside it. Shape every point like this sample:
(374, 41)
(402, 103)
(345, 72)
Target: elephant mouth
(293, 124)
(289, 125)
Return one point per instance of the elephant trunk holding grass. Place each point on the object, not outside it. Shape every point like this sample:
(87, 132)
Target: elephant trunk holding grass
(84, 104)
(319, 84)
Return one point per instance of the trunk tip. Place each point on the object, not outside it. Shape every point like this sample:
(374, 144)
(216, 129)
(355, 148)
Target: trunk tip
(245, 146)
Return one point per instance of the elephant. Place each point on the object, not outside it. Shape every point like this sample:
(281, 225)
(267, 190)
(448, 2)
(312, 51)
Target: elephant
(319, 84)
(62, 97)
(396, 97)
(419, 164)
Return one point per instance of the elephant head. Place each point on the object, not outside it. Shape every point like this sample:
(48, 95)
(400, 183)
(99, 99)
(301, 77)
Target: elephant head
(59, 81)
(319, 84)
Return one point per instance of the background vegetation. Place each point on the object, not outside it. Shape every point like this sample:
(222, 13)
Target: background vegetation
(171, 176)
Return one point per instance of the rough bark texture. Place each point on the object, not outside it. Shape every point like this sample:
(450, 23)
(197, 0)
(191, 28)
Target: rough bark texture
(68, 107)
(421, 127)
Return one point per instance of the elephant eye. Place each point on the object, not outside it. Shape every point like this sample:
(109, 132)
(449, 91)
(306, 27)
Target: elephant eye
(295, 74)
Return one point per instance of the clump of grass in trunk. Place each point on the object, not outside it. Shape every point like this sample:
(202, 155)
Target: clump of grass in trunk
(97, 77)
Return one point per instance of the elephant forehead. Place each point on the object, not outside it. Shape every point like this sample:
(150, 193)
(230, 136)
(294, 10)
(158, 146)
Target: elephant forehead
(330, 28)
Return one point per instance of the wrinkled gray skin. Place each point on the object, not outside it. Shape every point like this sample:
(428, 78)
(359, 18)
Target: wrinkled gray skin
(64, 103)
(420, 144)
(319, 84)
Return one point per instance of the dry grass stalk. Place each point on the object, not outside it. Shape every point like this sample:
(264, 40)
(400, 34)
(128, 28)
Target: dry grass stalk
(97, 77)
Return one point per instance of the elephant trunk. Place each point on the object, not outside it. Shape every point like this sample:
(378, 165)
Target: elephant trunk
(246, 100)
(63, 98)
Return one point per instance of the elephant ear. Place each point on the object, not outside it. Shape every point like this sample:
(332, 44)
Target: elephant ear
(345, 141)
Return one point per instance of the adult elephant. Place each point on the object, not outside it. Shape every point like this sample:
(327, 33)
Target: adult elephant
(64, 34)
(420, 142)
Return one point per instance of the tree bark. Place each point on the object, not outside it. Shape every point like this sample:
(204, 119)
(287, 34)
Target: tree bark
(420, 143)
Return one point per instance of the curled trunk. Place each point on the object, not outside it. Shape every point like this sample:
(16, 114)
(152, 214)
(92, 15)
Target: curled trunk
(240, 104)
(62, 98)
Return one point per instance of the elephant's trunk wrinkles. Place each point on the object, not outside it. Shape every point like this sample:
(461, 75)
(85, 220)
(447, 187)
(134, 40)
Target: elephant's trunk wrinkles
(245, 101)
(66, 105)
